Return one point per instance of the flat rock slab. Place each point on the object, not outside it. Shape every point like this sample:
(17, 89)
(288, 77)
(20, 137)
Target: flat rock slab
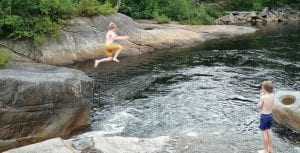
(49, 146)
(102, 144)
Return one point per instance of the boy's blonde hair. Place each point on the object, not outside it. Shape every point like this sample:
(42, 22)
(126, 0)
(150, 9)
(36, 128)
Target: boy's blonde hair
(268, 86)
(112, 26)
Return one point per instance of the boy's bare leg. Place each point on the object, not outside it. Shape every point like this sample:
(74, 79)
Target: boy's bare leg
(116, 56)
(270, 145)
(107, 59)
(265, 142)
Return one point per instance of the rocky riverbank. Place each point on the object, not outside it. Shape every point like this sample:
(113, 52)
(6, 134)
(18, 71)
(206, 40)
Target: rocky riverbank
(282, 14)
(213, 140)
(83, 39)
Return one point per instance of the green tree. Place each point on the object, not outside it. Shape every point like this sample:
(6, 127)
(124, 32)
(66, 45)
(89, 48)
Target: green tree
(37, 19)
(140, 9)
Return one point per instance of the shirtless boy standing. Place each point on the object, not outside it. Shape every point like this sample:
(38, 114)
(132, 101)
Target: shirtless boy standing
(265, 105)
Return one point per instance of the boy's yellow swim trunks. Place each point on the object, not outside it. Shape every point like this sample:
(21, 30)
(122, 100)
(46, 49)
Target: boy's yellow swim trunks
(111, 48)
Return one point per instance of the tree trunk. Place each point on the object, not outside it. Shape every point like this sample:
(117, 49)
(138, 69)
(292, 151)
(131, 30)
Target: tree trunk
(118, 5)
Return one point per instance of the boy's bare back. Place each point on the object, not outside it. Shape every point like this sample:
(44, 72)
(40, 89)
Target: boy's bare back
(267, 100)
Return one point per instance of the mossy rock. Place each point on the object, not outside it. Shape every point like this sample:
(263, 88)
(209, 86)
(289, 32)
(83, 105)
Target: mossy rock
(5, 56)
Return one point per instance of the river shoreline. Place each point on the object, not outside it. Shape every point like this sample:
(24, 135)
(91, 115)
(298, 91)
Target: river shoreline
(83, 39)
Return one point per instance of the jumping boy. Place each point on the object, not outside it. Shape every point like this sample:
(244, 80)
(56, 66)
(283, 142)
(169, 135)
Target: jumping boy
(111, 47)
(265, 105)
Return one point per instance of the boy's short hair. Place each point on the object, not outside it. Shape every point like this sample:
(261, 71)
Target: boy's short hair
(268, 86)
(112, 26)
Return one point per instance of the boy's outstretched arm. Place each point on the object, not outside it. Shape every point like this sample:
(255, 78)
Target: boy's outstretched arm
(122, 37)
(116, 37)
(260, 103)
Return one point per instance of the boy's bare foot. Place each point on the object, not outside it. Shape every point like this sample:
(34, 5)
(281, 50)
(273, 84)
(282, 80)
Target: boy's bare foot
(116, 60)
(261, 151)
(270, 150)
(96, 63)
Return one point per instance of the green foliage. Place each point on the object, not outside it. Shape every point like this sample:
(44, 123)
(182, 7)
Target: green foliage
(258, 5)
(193, 11)
(107, 9)
(184, 11)
(93, 7)
(5, 56)
(38, 19)
(211, 10)
(207, 15)
(161, 19)
(57, 9)
(240, 5)
(9, 23)
(146, 9)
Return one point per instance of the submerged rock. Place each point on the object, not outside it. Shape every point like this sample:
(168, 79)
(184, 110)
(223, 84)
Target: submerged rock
(39, 102)
(286, 110)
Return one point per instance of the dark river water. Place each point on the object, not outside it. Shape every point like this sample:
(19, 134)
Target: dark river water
(203, 97)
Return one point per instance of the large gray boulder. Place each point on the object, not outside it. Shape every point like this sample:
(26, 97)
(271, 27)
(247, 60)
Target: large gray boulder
(227, 19)
(83, 38)
(286, 110)
(39, 102)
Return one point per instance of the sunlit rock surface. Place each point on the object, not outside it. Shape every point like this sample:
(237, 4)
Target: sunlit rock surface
(101, 144)
(286, 110)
